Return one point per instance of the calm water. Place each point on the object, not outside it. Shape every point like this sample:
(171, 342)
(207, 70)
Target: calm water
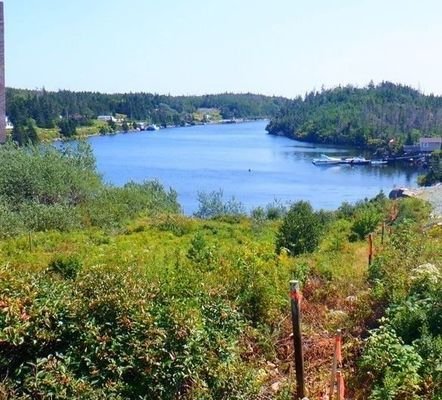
(243, 161)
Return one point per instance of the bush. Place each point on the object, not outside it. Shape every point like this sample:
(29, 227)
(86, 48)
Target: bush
(111, 334)
(276, 210)
(300, 230)
(366, 220)
(10, 223)
(47, 175)
(395, 366)
(413, 210)
(41, 217)
(67, 267)
(112, 206)
(212, 205)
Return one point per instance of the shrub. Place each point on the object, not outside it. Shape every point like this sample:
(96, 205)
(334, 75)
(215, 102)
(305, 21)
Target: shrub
(396, 366)
(10, 223)
(47, 175)
(275, 210)
(413, 210)
(41, 217)
(300, 230)
(67, 267)
(366, 220)
(112, 206)
(212, 205)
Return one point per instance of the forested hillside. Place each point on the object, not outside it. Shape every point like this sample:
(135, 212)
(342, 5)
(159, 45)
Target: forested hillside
(366, 117)
(45, 107)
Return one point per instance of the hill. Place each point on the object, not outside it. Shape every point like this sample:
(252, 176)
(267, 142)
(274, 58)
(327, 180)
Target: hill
(366, 117)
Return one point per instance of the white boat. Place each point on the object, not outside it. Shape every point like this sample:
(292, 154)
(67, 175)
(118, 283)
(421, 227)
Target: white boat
(152, 127)
(356, 161)
(326, 160)
(378, 162)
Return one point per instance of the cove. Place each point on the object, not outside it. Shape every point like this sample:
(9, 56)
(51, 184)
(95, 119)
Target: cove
(245, 162)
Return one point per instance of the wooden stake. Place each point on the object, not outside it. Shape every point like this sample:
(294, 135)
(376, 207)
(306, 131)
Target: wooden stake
(295, 296)
(383, 232)
(340, 388)
(334, 364)
(370, 249)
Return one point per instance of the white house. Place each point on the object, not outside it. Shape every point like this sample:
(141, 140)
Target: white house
(106, 118)
(8, 123)
(428, 145)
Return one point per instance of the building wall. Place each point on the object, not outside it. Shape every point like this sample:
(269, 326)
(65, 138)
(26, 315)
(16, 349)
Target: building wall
(430, 146)
(2, 77)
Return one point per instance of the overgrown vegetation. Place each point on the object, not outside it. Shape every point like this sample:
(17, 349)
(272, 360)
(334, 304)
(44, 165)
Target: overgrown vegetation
(115, 295)
(44, 188)
(383, 116)
(434, 175)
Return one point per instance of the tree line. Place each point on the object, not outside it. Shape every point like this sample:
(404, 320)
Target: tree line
(65, 109)
(370, 117)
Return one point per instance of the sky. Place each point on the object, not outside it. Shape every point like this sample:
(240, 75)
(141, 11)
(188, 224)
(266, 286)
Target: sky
(273, 47)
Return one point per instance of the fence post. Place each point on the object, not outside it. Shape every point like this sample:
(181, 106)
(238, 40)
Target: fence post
(370, 249)
(295, 299)
(336, 358)
(340, 386)
(383, 232)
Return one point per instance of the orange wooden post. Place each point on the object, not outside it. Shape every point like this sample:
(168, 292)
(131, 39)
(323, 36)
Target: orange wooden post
(340, 386)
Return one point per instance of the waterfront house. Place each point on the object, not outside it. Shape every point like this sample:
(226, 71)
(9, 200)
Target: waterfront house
(106, 118)
(8, 124)
(428, 145)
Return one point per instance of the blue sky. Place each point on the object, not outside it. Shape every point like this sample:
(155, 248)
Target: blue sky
(281, 47)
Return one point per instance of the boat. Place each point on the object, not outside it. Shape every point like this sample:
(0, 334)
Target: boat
(378, 162)
(356, 161)
(326, 160)
(152, 127)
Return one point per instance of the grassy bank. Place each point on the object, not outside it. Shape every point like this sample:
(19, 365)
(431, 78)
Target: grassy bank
(112, 293)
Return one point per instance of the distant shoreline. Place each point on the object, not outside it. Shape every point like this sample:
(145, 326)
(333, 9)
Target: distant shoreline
(133, 131)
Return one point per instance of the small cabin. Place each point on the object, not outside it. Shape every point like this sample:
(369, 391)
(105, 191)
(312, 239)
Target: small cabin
(106, 118)
(428, 145)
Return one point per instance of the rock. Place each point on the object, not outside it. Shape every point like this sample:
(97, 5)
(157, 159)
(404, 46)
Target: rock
(275, 386)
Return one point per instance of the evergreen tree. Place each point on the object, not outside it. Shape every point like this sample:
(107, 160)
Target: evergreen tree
(31, 132)
(19, 134)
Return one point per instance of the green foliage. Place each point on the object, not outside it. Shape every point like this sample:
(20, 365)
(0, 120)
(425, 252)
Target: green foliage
(357, 116)
(395, 366)
(67, 127)
(300, 230)
(24, 132)
(434, 175)
(412, 210)
(366, 220)
(45, 107)
(275, 210)
(67, 267)
(212, 205)
(111, 334)
(403, 357)
(44, 188)
(199, 251)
